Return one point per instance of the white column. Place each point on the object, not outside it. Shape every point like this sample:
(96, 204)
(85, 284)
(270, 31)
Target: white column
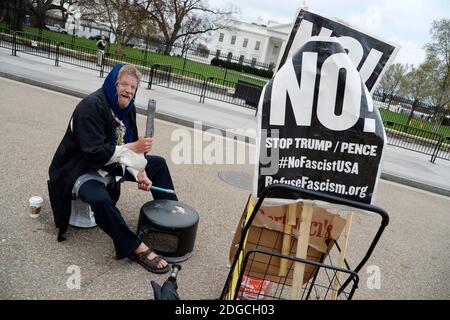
(264, 50)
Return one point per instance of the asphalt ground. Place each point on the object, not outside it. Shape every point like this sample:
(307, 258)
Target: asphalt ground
(412, 255)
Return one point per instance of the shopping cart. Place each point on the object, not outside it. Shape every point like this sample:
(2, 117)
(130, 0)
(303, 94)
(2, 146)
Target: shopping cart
(255, 271)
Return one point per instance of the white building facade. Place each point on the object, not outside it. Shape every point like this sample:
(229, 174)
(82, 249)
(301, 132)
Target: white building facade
(86, 29)
(250, 43)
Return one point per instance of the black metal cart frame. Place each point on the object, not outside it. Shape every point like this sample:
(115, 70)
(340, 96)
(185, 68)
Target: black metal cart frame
(294, 193)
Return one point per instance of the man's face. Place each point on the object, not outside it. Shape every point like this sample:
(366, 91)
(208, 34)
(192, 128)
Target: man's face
(126, 88)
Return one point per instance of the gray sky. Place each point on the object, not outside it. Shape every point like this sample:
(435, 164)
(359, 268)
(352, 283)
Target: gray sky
(405, 22)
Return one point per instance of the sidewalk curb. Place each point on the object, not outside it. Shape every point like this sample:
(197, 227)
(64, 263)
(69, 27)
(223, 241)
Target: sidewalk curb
(205, 126)
(43, 85)
(415, 184)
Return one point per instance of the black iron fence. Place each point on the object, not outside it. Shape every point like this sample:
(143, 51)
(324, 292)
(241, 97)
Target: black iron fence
(166, 75)
(238, 93)
(415, 139)
(77, 55)
(415, 126)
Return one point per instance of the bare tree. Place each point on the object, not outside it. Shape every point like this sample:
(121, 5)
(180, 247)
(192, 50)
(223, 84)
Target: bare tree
(189, 39)
(438, 57)
(418, 85)
(177, 19)
(391, 81)
(124, 17)
(418, 82)
(430, 82)
(39, 8)
(65, 7)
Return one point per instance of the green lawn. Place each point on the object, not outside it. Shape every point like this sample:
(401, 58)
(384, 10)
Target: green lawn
(387, 115)
(202, 69)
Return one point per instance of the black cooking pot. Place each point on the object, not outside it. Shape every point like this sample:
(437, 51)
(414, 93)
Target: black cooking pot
(169, 227)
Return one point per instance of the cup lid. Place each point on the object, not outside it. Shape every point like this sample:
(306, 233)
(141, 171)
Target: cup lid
(36, 200)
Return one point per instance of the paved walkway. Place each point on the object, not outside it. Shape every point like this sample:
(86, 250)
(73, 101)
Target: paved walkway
(399, 165)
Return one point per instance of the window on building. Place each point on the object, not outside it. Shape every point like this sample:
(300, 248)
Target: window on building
(90, 29)
(257, 45)
(241, 58)
(229, 56)
(221, 37)
(217, 53)
(245, 43)
(84, 28)
(253, 62)
(233, 39)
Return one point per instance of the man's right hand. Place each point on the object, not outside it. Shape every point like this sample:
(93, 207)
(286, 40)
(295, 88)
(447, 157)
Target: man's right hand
(142, 145)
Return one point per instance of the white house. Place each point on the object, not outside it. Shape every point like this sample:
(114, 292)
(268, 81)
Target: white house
(252, 43)
(86, 29)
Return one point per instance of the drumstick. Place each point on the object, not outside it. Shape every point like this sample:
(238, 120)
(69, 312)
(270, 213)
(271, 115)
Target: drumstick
(151, 109)
(162, 190)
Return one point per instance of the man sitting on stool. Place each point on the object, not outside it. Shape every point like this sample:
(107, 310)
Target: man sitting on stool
(100, 138)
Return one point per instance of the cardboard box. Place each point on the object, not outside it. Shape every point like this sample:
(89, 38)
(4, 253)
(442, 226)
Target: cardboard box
(266, 233)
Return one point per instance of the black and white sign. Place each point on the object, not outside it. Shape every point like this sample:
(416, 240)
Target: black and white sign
(370, 55)
(318, 128)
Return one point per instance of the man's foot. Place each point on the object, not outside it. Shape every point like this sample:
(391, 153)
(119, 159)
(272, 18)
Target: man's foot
(150, 260)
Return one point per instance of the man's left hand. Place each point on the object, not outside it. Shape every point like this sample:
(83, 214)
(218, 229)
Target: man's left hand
(144, 183)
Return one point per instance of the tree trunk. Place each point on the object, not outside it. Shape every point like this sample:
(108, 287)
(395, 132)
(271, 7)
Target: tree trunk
(41, 21)
(119, 43)
(408, 122)
(437, 119)
(64, 18)
(16, 21)
(14, 14)
(168, 47)
(389, 103)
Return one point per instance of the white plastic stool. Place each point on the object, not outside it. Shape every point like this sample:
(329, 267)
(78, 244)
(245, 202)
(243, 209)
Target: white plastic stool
(81, 215)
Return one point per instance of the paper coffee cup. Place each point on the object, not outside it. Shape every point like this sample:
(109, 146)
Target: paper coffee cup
(35, 206)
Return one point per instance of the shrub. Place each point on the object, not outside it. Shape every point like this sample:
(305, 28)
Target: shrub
(241, 68)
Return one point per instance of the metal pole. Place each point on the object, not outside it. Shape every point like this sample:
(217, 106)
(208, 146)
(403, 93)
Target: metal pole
(203, 90)
(73, 36)
(225, 77)
(436, 150)
(14, 47)
(150, 82)
(57, 55)
(146, 48)
(102, 68)
(184, 63)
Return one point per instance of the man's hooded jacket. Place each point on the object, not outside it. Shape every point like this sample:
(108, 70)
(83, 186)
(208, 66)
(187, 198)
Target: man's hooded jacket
(88, 144)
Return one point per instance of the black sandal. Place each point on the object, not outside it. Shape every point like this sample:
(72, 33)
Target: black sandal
(150, 265)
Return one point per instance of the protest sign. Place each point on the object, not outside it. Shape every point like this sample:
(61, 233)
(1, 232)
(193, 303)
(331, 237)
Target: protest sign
(318, 128)
(370, 55)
